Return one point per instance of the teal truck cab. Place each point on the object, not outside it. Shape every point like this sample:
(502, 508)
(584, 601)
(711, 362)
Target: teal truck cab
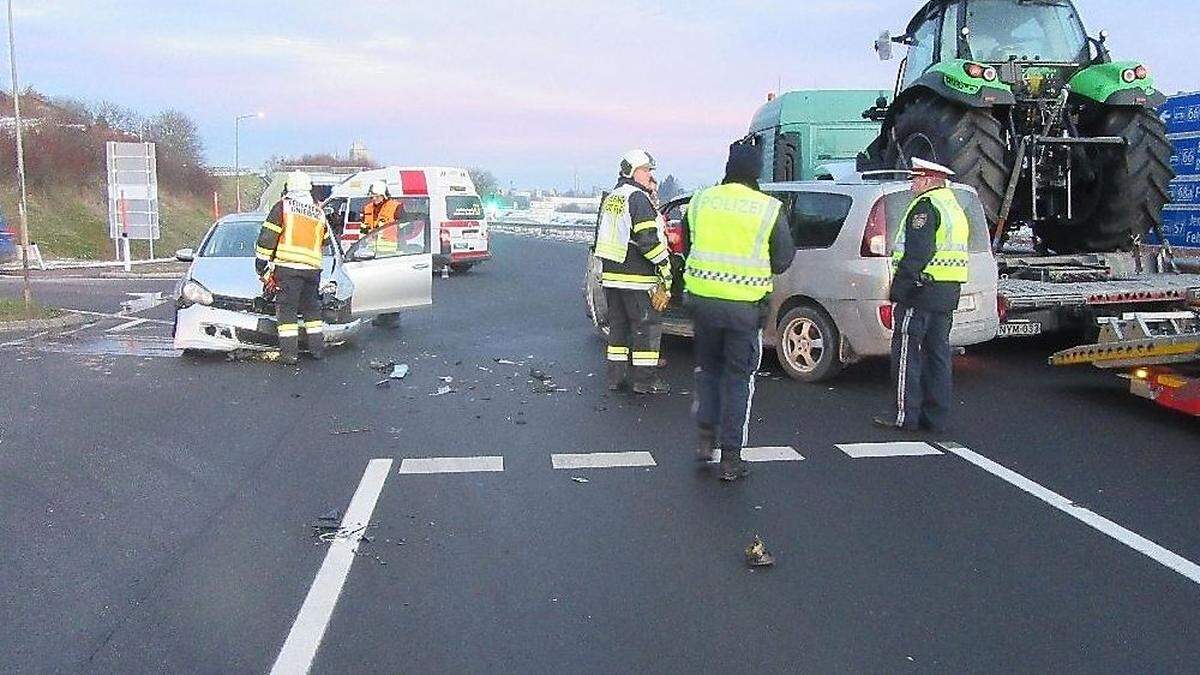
(809, 135)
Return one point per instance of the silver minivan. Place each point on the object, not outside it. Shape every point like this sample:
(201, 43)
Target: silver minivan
(831, 307)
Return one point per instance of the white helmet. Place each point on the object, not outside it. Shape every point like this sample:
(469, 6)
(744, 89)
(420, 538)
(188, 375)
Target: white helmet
(928, 168)
(635, 159)
(377, 187)
(298, 181)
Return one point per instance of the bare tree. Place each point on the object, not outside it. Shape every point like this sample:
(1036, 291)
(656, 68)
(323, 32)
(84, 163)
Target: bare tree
(485, 182)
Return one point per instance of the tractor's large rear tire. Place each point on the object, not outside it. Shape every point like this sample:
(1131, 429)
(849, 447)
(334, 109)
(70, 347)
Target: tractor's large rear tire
(1130, 184)
(968, 140)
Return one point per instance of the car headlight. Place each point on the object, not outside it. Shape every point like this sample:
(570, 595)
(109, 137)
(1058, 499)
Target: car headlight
(193, 292)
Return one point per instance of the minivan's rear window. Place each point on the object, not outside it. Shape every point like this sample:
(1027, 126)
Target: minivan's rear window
(460, 207)
(980, 240)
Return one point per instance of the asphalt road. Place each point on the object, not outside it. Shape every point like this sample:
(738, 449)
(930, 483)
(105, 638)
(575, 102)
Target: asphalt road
(158, 508)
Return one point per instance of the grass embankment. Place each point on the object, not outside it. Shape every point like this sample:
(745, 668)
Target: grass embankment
(73, 222)
(13, 309)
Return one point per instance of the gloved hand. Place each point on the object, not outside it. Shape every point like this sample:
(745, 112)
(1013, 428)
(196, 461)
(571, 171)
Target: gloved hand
(664, 274)
(660, 297)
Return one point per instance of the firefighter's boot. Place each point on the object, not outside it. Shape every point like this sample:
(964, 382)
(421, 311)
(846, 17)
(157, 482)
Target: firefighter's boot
(289, 350)
(617, 374)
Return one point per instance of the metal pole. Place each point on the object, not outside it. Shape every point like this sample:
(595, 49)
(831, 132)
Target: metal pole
(237, 168)
(23, 208)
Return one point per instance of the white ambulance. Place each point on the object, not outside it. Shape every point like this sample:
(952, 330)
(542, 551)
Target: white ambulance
(445, 196)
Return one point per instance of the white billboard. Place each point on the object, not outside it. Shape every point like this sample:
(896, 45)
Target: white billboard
(132, 191)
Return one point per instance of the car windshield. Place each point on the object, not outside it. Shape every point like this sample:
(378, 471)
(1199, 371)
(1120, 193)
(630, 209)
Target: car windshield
(232, 239)
(1028, 30)
(463, 208)
(236, 239)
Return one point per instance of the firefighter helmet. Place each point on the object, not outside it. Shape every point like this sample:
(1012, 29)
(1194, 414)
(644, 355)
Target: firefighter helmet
(635, 159)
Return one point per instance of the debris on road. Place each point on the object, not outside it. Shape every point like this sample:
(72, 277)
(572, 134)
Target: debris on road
(442, 391)
(329, 521)
(399, 371)
(384, 384)
(580, 479)
(350, 430)
(446, 378)
(757, 554)
(505, 362)
(539, 375)
(381, 366)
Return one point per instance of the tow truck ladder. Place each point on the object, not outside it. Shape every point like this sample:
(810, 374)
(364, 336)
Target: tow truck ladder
(1139, 339)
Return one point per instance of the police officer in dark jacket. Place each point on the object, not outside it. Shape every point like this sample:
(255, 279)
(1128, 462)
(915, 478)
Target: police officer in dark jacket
(735, 240)
(930, 259)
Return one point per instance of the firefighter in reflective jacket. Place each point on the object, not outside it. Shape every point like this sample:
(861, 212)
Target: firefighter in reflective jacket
(930, 262)
(289, 250)
(381, 209)
(635, 260)
(735, 240)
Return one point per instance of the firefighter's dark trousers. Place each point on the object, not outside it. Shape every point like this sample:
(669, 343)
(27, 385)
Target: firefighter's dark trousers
(634, 333)
(921, 367)
(298, 306)
(728, 346)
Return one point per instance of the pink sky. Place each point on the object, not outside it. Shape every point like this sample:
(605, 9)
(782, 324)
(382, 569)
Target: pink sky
(531, 90)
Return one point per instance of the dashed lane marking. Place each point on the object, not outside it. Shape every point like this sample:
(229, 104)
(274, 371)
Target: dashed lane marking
(602, 460)
(774, 453)
(127, 325)
(300, 647)
(426, 465)
(893, 449)
(1086, 516)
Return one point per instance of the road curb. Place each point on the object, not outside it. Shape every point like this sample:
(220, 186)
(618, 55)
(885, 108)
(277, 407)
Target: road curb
(133, 275)
(67, 321)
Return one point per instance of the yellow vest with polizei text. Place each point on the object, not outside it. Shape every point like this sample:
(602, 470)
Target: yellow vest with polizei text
(729, 227)
(950, 261)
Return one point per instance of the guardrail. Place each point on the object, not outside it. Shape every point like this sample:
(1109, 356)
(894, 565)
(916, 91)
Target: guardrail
(577, 233)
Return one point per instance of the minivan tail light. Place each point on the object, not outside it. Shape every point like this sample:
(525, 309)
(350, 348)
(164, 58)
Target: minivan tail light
(886, 315)
(874, 241)
(1002, 308)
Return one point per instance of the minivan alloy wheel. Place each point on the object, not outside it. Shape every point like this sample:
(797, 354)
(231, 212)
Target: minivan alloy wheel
(803, 344)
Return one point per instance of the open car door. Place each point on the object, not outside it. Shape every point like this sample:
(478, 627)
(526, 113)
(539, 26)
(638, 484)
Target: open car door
(392, 268)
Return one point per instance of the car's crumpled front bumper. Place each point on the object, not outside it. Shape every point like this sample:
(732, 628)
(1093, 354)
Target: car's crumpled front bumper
(224, 330)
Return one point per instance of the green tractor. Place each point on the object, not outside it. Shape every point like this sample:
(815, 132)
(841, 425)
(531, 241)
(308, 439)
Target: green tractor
(1037, 116)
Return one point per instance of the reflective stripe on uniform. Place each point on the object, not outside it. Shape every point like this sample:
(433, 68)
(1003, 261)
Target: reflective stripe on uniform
(636, 282)
(288, 330)
(311, 327)
(657, 254)
(645, 358)
(618, 353)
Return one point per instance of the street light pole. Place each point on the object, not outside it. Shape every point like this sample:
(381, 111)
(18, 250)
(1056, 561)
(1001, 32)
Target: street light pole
(237, 162)
(23, 207)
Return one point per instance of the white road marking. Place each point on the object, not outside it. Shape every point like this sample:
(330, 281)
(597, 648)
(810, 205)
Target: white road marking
(300, 647)
(76, 330)
(601, 460)
(893, 449)
(780, 453)
(451, 464)
(127, 324)
(122, 317)
(20, 341)
(1086, 516)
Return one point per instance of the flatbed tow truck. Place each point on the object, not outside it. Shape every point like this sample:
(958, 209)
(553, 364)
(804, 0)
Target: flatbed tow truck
(1044, 294)
(1159, 352)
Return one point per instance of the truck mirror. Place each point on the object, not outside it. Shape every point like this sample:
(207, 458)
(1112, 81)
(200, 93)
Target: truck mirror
(883, 46)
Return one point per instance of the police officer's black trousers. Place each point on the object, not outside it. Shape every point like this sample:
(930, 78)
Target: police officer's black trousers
(728, 347)
(634, 333)
(921, 367)
(299, 296)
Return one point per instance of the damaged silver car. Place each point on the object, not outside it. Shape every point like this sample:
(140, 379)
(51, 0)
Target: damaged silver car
(219, 302)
